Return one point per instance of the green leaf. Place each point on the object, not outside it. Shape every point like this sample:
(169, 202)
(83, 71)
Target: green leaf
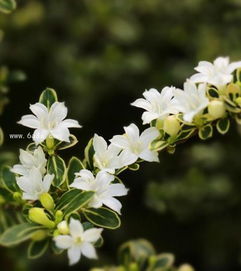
(9, 179)
(213, 93)
(48, 97)
(223, 126)
(103, 217)
(135, 251)
(56, 166)
(158, 145)
(37, 249)
(18, 234)
(65, 145)
(7, 6)
(205, 132)
(134, 167)
(163, 261)
(89, 153)
(75, 165)
(185, 134)
(73, 200)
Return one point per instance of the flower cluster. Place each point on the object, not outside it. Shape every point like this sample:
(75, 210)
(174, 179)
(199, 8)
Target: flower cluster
(207, 96)
(69, 204)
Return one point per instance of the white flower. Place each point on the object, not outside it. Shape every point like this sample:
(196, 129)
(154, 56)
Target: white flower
(157, 105)
(191, 101)
(49, 122)
(108, 158)
(79, 241)
(34, 185)
(104, 189)
(135, 145)
(218, 73)
(30, 160)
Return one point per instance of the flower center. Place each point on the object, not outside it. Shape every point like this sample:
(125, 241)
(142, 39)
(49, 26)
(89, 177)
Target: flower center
(78, 241)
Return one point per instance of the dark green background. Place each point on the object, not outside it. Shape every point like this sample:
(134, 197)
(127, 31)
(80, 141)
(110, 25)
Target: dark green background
(100, 55)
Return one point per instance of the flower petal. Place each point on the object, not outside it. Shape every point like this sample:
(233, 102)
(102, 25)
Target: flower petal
(47, 182)
(58, 111)
(29, 121)
(61, 133)
(113, 204)
(117, 190)
(76, 228)
(150, 156)
(39, 135)
(88, 251)
(74, 254)
(39, 110)
(63, 241)
(99, 144)
(92, 235)
(70, 123)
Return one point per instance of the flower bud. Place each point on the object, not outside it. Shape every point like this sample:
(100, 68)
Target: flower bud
(38, 216)
(159, 124)
(17, 196)
(216, 109)
(39, 235)
(58, 216)
(47, 201)
(171, 125)
(185, 267)
(63, 227)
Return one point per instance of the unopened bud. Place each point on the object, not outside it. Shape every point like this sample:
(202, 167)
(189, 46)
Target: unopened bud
(38, 216)
(17, 196)
(171, 125)
(39, 235)
(216, 109)
(186, 267)
(159, 124)
(47, 201)
(58, 216)
(63, 227)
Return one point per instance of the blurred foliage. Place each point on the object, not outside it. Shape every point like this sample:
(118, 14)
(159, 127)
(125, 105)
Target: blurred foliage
(101, 55)
(139, 255)
(7, 6)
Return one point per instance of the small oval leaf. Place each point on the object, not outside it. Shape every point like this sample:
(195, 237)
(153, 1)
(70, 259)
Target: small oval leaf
(48, 97)
(103, 217)
(73, 200)
(56, 166)
(75, 165)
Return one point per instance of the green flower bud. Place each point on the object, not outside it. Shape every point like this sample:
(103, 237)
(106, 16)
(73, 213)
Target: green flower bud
(47, 201)
(216, 109)
(171, 125)
(63, 227)
(39, 235)
(58, 216)
(185, 267)
(17, 196)
(159, 124)
(38, 216)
